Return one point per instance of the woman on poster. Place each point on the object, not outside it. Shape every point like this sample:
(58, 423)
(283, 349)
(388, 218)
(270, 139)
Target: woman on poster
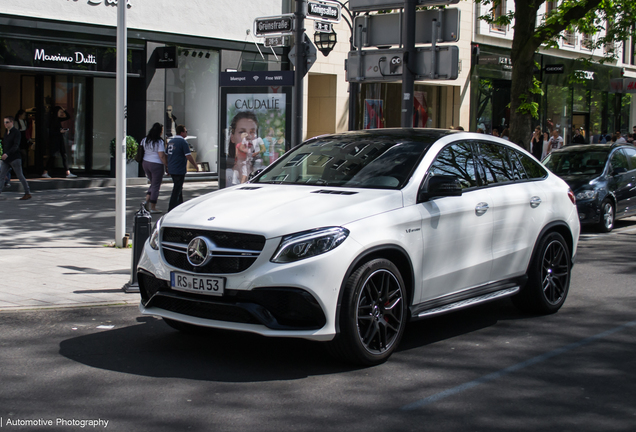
(243, 134)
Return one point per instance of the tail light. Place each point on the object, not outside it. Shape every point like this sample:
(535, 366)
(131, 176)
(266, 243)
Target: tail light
(571, 196)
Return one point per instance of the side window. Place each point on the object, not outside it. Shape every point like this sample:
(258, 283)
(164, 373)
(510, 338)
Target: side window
(494, 159)
(619, 161)
(518, 170)
(533, 168)
(631, 158)
(456, 160)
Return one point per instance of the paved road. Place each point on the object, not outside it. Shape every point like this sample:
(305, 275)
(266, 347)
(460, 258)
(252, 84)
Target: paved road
(485, 369)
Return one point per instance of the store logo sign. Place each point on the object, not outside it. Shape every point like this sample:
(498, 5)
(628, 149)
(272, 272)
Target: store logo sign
(78, 58)
(106, 2)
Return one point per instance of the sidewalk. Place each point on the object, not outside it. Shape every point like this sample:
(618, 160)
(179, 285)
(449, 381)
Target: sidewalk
(54, 248)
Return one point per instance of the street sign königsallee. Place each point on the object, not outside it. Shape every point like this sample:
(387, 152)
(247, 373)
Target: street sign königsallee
(371, 5)
(274, 25)
(386, 64)
(385, 29)
(323, 10)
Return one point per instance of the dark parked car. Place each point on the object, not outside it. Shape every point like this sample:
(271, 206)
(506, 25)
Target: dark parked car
(603, 178)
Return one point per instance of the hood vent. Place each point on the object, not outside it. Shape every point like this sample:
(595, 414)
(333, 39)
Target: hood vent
(250, 187)
(333, 192)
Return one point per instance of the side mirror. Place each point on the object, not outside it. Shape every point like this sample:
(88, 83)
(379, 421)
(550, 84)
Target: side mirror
(255, 173)
(437, 186)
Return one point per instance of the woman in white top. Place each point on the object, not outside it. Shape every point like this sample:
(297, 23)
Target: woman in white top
(154, 162)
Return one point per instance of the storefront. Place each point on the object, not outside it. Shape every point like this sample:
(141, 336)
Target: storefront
(39, 74)
(172, 79)
(577, 94)
(379, 105)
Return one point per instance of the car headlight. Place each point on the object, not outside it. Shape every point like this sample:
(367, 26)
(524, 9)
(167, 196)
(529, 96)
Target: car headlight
(154, 237)
(586, 195)
(307, 244)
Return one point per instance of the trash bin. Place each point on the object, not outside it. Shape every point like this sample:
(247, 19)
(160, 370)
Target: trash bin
(142, 224)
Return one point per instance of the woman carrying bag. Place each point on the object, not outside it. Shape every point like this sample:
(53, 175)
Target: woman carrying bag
(154, 163)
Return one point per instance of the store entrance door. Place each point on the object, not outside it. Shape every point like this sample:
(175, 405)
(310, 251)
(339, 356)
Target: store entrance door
(581, 121)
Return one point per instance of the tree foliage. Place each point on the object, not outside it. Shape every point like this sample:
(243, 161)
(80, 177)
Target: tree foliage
(607, 22)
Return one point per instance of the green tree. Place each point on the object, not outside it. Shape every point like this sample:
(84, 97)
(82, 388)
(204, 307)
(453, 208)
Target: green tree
(607, 21)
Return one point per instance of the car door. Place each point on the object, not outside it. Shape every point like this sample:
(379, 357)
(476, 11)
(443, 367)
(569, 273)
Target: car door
(620, 180)
(631, 200)
(519, 211)
(456, 231)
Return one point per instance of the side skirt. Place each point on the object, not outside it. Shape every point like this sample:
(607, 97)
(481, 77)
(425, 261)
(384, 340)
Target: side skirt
(468, 298)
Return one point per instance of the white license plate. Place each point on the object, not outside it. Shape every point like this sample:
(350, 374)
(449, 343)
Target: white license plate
(197, 284)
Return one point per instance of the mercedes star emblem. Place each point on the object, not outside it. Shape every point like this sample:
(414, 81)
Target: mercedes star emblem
(198, 251)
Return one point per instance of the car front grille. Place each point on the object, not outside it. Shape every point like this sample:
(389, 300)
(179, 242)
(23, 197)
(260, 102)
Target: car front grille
(234, 253)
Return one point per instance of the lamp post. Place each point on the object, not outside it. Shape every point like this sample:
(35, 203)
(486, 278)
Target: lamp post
(325, 42)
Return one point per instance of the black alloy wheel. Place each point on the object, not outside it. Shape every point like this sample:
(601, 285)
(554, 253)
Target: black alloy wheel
(606, 224)
(548, 277)
(373, 315)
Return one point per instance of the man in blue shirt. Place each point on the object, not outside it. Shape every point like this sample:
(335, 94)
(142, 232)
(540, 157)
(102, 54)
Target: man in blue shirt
(178, 152)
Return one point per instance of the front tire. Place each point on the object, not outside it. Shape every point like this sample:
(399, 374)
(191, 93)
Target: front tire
(373, 315)
(548, 277)
(606, 224)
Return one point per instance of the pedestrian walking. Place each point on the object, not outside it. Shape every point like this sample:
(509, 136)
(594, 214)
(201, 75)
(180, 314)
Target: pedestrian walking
(12, 157)
(178, 152)
(56, 141)
(154, 163)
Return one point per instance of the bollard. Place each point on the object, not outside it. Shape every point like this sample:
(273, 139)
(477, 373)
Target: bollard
(142, 224)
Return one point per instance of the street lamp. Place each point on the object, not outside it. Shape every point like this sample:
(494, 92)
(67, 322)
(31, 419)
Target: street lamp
(325, 42)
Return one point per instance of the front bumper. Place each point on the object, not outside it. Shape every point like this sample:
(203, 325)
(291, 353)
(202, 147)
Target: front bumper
(589, 212)
(296, 299)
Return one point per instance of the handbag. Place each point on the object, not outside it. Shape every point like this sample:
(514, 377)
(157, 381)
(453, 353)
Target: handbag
(139, 157)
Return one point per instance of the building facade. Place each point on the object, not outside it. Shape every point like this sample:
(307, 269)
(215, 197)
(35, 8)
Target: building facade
(61, 53)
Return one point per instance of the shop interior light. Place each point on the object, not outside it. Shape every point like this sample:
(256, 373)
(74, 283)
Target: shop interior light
(325, 41)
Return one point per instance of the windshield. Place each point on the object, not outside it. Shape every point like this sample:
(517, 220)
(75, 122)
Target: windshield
(576, 163)
(361, 161)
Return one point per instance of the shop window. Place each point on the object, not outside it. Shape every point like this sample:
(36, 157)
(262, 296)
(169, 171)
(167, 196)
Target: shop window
(192, 94)
(499, 10)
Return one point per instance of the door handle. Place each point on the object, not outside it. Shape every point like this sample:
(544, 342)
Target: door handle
(481, 208)
(535, 201)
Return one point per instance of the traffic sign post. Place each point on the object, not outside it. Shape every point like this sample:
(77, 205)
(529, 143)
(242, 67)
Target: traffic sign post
(384, 29)
(385, 65)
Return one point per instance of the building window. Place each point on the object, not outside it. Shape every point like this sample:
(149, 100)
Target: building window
(569, 38)
(499, 11)
(587, 41)
(550, 6)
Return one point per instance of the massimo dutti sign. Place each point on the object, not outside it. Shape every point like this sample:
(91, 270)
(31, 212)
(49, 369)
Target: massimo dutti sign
(66, 56)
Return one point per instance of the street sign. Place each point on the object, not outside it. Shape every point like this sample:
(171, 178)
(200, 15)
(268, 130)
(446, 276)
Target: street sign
(311, 54)
(373, 5)
(324, 27)
(274, 25)
(385, 29)
(385, 65)
(324, 11)
(275, 41)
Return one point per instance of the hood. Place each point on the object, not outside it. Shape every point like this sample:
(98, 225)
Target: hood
(578, 181)
(276, 210)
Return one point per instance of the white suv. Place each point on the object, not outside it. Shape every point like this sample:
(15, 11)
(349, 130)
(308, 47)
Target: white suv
(348, 237)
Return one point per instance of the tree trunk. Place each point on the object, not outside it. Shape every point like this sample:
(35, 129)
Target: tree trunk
(524, 46)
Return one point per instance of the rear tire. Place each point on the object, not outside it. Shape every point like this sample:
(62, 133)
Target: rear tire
(608, 215)
(548, 277)
(373, 314)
